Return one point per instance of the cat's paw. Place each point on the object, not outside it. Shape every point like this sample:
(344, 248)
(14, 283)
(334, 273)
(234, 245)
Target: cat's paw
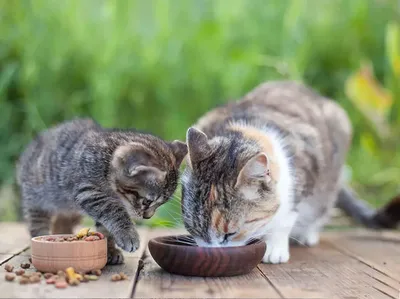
(114, 256)
(276, 254)
(312, 239)
(128, 240)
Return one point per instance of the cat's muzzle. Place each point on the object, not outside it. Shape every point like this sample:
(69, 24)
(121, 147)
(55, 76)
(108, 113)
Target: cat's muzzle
(149, 212)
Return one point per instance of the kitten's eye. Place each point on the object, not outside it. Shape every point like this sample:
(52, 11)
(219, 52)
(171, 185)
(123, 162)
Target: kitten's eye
(147, 202)
(136, 194)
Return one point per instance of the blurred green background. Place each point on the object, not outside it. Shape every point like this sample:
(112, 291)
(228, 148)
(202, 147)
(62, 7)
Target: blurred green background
(158, 65)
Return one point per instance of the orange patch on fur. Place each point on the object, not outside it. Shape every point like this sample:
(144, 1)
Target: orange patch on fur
(264, 141)
(239, 236)
(212, 193)
(216, 218)
(226, 227)
(264, 214)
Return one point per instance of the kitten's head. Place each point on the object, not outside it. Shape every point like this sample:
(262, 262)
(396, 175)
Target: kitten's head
(228, 193)
(145, 173)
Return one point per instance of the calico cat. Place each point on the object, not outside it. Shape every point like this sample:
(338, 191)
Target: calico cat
(267, 166)
(111, 175)
(386, 217)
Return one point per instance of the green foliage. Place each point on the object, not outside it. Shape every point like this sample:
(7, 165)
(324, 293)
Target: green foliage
(158, 65)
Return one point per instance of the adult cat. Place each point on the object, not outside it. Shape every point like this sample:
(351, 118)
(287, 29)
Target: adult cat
(267, 166)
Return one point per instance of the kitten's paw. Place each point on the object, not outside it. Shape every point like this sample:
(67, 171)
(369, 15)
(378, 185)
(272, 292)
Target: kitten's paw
(114, 256)
(128, 240)
(276, 254)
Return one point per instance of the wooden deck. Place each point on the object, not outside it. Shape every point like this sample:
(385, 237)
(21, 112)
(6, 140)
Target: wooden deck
(351, 264)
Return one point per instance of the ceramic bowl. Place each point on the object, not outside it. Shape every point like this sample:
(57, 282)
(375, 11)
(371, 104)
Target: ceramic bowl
(174, 254)
(83, 256)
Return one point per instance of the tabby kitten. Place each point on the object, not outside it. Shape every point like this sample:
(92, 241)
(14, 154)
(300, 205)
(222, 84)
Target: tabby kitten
(111, 175)
(267, 166)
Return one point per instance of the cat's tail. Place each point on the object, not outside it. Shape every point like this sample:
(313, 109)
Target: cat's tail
(386, 217)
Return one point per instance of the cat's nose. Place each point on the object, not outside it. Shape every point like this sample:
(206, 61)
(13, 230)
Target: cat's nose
(227, 237)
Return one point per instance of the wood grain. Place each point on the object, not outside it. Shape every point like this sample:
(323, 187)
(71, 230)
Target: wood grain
(14, 238)
(324, 272)
(379, 250)
(103, 288)
(154, 282)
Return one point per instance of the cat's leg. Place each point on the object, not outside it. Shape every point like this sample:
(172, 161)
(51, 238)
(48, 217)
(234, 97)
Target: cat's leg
(64, 223)
(313, 215)
(114, 255)
(38, 221)
(277, 239)
(111, 213)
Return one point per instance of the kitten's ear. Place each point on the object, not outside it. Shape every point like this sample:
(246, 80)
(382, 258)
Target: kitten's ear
(179, 149)
(147, 173)
(198, 146)
(257, 168)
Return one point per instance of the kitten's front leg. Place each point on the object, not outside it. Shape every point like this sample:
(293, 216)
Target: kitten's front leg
(114, 255)
(277, 240)
(111, 213)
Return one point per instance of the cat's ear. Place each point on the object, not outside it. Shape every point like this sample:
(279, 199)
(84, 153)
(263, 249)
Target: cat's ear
(179, 150)
(198, 146)
(148, 173)
(256, 169)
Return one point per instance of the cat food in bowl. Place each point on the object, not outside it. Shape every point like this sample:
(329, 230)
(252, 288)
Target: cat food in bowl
(180, 255)
(84, 252)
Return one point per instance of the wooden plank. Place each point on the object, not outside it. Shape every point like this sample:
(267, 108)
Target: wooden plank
(103, 288)
(324, 272)
(14, 238)
(155, 283)
(379, 250)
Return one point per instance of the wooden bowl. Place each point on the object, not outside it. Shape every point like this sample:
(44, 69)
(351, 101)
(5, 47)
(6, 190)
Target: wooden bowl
(81, 255)
(174, 255)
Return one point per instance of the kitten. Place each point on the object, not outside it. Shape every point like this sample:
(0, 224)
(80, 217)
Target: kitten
(267, 166)
(111, 175)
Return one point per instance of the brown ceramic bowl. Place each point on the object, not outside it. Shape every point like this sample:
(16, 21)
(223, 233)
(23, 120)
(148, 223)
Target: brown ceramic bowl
(81, 255)
(175, 255)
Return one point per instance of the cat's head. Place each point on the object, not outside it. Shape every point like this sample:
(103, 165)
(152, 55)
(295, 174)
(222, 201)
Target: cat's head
(145, 173)
(228, 193)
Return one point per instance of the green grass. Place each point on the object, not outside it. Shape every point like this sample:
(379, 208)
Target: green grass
(158, 65)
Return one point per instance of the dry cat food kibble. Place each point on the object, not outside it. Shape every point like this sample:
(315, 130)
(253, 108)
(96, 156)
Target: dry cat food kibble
(10, 276)
(123, 276)
(61, 284)
(51, 280)
(24, 280)
(62, 279)
(25, 265)
(9, 268)
(115, 277)
(34, 279)
(96, 272)
(84, 234)
(118, 277)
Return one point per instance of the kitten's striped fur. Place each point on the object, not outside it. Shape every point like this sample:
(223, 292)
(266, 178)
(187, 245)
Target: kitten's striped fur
(265, 166)
(111, 175)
